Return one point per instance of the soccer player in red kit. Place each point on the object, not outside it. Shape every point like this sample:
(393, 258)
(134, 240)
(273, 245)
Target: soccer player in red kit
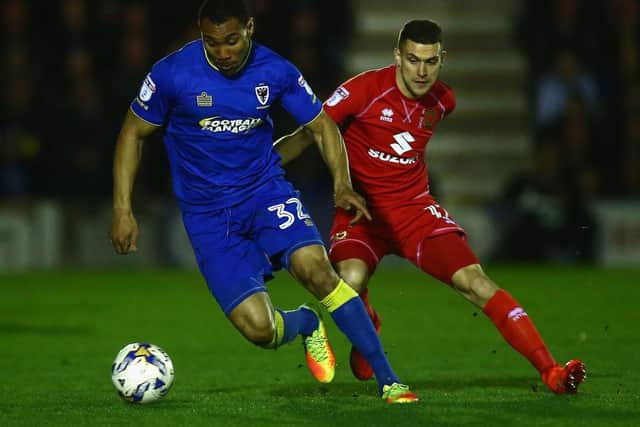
(387, 117)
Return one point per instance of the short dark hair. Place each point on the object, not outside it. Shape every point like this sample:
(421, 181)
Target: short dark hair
(219, 11)
(422, 31)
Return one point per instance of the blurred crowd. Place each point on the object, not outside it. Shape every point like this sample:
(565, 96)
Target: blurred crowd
(583, 87)
(70, 68)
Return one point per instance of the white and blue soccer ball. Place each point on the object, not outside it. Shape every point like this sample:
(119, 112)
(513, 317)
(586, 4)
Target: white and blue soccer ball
(142, 372)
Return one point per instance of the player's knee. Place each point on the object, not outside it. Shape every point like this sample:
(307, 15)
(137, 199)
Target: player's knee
(356, 274)
(315, 272)
(472, 282)
(356, 281)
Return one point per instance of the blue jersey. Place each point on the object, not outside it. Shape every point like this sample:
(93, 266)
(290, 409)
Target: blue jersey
(218, 131)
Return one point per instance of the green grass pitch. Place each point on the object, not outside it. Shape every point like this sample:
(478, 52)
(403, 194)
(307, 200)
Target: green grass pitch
(59, 333)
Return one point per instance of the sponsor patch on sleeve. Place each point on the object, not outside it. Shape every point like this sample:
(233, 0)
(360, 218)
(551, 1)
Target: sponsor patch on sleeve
(303, 83)
(337, 96)
(148, 89)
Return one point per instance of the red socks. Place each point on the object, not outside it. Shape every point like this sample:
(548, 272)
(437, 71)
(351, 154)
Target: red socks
(518, 330)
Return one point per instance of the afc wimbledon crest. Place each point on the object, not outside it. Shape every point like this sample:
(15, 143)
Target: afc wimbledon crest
(262, 93)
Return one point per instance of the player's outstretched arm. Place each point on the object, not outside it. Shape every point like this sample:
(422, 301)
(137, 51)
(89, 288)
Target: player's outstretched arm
(291, 146)
(329, 140)
(128, 151)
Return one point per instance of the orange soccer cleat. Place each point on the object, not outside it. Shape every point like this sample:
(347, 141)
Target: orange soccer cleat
(359, 365)
(318, 352)
(565, 379)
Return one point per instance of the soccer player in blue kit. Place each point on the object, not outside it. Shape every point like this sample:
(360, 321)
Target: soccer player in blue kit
(244, 219)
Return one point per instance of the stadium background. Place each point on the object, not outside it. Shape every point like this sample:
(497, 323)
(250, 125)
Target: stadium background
(540, 162)
(549, 196)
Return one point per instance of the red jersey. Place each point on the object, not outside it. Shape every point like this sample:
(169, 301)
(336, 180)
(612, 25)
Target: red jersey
(386, 134)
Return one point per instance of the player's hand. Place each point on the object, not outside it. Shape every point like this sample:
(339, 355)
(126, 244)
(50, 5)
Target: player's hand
(348, 199)
(124, 231)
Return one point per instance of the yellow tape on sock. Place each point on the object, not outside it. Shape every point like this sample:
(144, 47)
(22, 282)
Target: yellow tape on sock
(339, 296)
(279, 332)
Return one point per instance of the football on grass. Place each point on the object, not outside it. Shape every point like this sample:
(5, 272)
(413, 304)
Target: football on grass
(142, 372)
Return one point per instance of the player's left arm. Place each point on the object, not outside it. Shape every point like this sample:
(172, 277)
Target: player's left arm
(327, 136)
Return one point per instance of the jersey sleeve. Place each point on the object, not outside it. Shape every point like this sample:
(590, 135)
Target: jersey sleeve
(298, 97)
(349, 99)
(153, 102)
(449, 101)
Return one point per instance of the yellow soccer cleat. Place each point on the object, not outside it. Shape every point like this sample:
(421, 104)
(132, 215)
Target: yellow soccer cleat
(318, 352)
(398, 393)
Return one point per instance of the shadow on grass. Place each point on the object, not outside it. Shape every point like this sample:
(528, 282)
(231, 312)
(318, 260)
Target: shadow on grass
(354, 390)
(494, 401)
(26, 329)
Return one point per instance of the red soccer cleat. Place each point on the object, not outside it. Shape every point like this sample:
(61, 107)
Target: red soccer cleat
(359, 365)
(565, 379)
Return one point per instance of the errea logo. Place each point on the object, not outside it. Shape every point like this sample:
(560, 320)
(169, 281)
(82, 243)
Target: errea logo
(516, 314)
(387, 115)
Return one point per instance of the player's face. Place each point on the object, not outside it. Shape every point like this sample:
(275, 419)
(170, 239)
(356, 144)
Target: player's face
(227, 44)
(418, 67)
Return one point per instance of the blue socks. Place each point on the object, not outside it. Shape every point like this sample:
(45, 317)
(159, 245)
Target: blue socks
(290, 324)
(350, 315)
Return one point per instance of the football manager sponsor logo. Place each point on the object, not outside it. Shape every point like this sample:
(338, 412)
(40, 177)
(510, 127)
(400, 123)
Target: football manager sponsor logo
(219, 124)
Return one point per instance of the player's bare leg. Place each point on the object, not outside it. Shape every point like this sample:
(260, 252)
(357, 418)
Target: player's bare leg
(517, 328)
(356, 274)
(254, 318)
(257, 320)
(473, 284)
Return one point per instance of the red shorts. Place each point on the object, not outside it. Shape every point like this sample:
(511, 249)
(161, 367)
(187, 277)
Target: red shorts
(420, 231)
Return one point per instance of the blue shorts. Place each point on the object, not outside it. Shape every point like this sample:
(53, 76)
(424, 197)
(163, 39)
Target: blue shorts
(237, 248)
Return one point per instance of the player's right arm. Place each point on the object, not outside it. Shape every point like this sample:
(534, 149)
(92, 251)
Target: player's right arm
(148, 111)
(128, 151)
(292, 145)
